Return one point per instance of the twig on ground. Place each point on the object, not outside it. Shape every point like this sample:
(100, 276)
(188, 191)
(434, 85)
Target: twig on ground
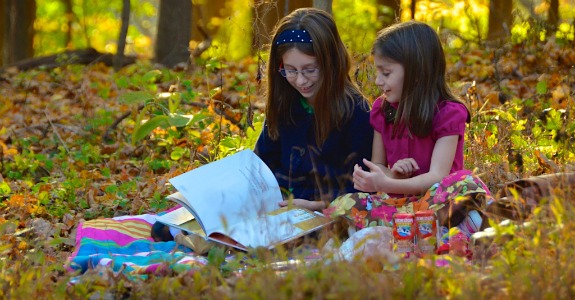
(56, 132)
(106, 137)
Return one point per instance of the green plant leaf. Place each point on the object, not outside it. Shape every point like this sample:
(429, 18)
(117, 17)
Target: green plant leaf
(4, 188)
(135, 97)
(122, 82)
(146, 128)
(178, 153)
(199, 117)
(554, 121)
(151, 76)
(541, 87)
(216, 256)
(179, 120)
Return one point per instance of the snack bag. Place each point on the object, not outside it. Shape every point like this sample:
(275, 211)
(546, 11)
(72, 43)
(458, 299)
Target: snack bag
(426, 233)
(403, 233)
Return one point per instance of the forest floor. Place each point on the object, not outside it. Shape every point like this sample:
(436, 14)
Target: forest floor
(72, 148)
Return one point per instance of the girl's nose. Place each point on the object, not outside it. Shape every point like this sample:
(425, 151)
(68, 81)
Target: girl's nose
(300, 78)
(379, 80)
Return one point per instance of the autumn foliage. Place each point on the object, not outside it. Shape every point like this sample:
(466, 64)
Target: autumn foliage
(74, 146)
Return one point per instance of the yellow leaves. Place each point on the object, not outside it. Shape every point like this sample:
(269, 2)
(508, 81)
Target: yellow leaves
(207, 137)
(22, 206)
(6, 105)
(5, 151)
(493, 99)
(16, 201)
(472, 66)
(542, 8)
(90, 174)
(22, 245)
(34, 209)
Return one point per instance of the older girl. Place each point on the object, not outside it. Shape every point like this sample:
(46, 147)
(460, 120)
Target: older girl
(317, 121)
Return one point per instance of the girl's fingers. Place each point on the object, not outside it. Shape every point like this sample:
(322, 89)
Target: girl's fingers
(398, 168)
(413, 163)
(359, 172)
(370, 165)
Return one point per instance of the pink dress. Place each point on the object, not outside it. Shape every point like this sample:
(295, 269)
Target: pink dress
(366, 210)
(449, 120)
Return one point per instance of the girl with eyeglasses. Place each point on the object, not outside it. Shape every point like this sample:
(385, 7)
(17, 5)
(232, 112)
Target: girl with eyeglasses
(317, 121)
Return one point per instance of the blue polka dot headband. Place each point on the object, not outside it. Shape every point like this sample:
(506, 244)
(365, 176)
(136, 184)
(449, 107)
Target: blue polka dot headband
(293, 36)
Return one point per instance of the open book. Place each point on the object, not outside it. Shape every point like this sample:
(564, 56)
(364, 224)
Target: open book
(234, 201)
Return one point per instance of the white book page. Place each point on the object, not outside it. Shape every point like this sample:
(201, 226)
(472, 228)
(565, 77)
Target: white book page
(266, 230)
(229, 191)
(177, 216)
(182, 219)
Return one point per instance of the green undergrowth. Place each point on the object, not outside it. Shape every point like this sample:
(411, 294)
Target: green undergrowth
(83, 142)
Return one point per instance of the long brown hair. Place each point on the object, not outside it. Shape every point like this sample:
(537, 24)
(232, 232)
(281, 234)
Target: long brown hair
(334, 101)
(416, 46)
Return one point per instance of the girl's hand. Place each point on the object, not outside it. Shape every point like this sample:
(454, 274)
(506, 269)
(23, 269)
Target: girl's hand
(404, 168)
(311, 205)
(368, 181)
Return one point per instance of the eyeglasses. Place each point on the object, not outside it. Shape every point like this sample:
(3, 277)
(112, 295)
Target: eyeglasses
(307, 73)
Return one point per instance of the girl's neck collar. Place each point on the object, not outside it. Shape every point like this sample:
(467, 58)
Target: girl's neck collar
(306, 105)
(390, 111)
(394, 104)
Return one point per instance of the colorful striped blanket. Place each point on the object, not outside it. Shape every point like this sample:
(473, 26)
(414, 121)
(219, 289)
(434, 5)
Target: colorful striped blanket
(125, 245)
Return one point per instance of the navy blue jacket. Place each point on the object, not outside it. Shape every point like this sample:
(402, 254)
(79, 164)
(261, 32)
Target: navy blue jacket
(311, 172)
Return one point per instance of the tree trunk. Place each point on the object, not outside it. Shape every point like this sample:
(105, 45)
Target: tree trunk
(553, 13)
(323, 5)
(69, 20)
(174, 32)
(388, 11)
(500, 19)
(412, 6)
(18, 30)
(3, 17)
(119, 58)
(267, 14)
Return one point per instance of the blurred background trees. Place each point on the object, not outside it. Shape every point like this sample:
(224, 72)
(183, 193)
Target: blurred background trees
(169, 31)
(17, 29)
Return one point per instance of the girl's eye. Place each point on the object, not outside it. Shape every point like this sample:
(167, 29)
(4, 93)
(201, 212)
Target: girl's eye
(309, 71)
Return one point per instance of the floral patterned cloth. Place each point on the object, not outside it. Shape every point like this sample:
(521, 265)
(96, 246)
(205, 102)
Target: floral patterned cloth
(450, 199)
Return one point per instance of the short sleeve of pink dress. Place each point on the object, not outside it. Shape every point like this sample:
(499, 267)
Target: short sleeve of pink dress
(449, 119)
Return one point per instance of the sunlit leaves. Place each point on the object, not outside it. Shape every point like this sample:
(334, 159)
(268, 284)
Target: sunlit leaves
(146, 128)
(565, 33)
(178, 153)
(541, 87)
(164, 122)
(358, 23)
(178, 120)
(152, 76)
(136, 97)
(492, 136)
(4, 189)
(553, 119)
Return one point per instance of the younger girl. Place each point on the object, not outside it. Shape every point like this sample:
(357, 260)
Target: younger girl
(317, 121)
(419, 130)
